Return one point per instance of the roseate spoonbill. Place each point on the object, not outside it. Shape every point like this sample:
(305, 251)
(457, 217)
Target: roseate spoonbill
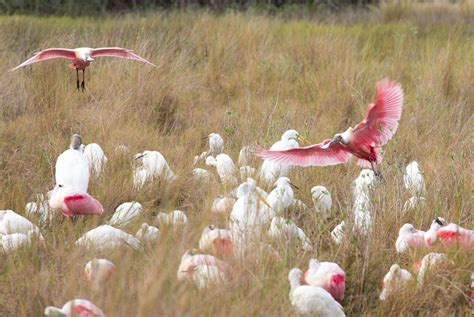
(95, 157)
(105, 237)
(126, 213)
(363, 141)
(337, 234)
(222, 205)
(452, 235)
(155, 163)
(394, 281)
(430, 236)
(282, 196)
(271, 171)
(76, 307)
(286, 231)
(216, 241)
(82, 57)
(11, 222)
(147, 233)
(74, 202)
(413, 179)
(409, 238)
(192, 259)
(216, 147)
(9, 243)
(174, 218)
(310, 300)
(322, 200)
(72, 167)
(430, 262)
(225, 168)
(97, 271)
(327, 275)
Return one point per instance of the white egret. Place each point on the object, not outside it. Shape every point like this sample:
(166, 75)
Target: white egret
(106, 237)
(72, 167)
(222, 205)
(282, 196)
(174, 218)
(97, 271)
(414, 181)
(338, 233)
(225, 168)
(394, 281)
(95, 157)
(147, 233)
(321, 199)
(286, 231)
(11, 222)
(156, 165)
(126, 214)
(10, 243)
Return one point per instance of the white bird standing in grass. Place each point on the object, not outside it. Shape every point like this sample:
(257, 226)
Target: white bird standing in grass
(338, 233)
(11, 222)
(225, 168)
(40, 207)
(282, 196)
(362, 215)
(98, 271)
(73, 308)
(430, 235)
(310, 300)
(414, 181)
(202, 269)
(394, 281)
(10, 243)
(126, 214)
(147, 233)
(96, 158)
(216, 241)
(202, 175)
(155, 165)
(271, 171)
(105, 237)
(72, 167)
(328, 275)
(429, 264)
(364, 182)
(409, 238)
(216, 147)
(222, 205)
(321, 199)
(286, 231)
(246, 156)
(175, 218)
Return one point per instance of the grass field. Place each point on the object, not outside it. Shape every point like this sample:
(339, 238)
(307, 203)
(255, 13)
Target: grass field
(249, 77)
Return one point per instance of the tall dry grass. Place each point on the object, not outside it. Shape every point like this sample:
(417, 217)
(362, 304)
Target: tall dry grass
(249, 77)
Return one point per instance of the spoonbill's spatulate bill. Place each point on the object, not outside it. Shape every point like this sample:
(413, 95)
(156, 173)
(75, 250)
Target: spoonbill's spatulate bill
(363, 141)
(82, 57)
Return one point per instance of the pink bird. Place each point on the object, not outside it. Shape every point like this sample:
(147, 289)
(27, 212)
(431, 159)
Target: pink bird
(194, 258)
(76, 307)
(327, 275)
(409, 238)
(74, 202)
(452, 235)
(82, 57)
(363, 141)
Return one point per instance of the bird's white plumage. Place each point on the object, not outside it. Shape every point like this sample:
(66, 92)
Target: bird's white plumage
(321, 199)
(286, 231)
(11, 222)
(430, 263)
(147, 233)
(173, 218)
(95, 157)
(126, 214)
(106, 237)
(414, 180)
(72, 167)
(282, 196)
(394, 281)
(97, 271)
(156, 165)
(338, 233)
(9, 243)
(225, 168)
(222, 205)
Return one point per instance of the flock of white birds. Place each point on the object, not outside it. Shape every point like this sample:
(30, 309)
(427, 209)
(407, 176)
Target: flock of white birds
(253, 216)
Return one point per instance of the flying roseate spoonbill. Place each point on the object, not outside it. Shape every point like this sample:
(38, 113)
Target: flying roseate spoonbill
(394, 281)
(72, 167)
(76, 307)
(310, 300)
(363, 141)
(82, 57)
(327, 275)
(409, 238)
(97, 271)
(74, 202)
(217, 241)
(286, 231)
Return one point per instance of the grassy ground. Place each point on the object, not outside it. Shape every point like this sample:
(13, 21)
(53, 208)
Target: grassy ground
(248, 77)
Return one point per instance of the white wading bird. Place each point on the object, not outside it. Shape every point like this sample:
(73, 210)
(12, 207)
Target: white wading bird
(414, 181)
(72, 167)
(310, 300)
(95, 157)
(106, 237)
(9, 243)
(321, 199)
(11, 222)
(97, 271)
(327, 275)
(76, 307)
(173, 218)
(126, 213)
(286, 231)
(147, 233)
(225, 168)
(216, 147)
(282, 196)
(82, 57)
(338, 233)
(154, 165)
(394, 281)
(40, 207)
(271, 171)
(222, 205)
(364, 182)
(216, 241)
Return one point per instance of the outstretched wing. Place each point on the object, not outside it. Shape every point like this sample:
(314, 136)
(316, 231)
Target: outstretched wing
(48, 54)
(381, 121)
(83, 204)
(119, 52)
(321, 154)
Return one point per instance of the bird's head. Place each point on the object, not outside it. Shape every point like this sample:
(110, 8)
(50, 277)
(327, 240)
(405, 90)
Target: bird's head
(76, 142)
(294, 135)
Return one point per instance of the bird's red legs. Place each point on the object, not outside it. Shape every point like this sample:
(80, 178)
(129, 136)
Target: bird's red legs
(83, 85)
(77, 76)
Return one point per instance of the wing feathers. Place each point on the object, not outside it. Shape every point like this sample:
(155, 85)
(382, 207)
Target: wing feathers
(119, 52)
(48, 54)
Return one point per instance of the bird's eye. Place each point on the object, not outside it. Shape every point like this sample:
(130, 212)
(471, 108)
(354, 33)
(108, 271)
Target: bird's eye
(211, 227)
(60, 185)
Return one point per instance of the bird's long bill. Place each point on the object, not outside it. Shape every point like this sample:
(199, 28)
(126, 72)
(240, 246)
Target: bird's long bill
(294, 186)
(304, 140)
(263, 199)
(138, 157)
(335, 140)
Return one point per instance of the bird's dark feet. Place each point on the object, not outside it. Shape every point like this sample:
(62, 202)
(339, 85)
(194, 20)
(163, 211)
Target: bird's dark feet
(78, 85)
(83, 85)
(379, 176)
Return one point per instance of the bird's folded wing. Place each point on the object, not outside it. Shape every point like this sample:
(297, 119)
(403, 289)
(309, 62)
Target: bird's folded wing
(88, 310)
(48, 54)
(119, 52)
(315, 155)
(381, 121)
(83, 204)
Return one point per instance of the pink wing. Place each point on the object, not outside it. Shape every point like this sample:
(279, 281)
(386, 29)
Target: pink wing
(83, 204)
(48, 54)
(119, 52)
(453, 233)
(314, 155)
(88, 310)
(381, 121)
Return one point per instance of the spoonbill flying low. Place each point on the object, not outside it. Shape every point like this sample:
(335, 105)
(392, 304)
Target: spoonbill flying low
(82, 57)
(363, 141)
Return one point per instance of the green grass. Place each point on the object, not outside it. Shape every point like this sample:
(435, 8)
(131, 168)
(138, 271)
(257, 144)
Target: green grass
(249, 77)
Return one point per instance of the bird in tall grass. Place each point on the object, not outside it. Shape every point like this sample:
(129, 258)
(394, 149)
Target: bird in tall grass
(409, 238)
(282, 195)
(74, 202)
(76, 307)
(394, 281)
(72, 167)
(322, 200)
(95, 157)
(82, 57)
(451, 235)
(97, 271)
(364, 141)
(328, 275)
(105, 238)
(217, 241)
